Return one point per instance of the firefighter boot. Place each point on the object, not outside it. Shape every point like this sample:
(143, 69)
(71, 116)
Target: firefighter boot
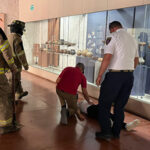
(25, 93)
(9, 129)
(20, 95)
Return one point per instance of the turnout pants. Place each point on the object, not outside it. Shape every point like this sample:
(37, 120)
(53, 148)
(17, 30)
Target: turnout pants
(18, 85)
(116, 89)
(6, 109)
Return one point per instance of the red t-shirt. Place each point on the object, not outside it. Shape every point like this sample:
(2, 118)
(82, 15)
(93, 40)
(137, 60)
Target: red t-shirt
(71, 78)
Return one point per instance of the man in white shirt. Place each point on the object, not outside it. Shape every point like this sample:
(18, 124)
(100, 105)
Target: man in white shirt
(120, 58)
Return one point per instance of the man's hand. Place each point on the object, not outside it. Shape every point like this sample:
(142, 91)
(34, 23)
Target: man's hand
(103, 67)
(85, 94)
(90, 102)
(14, 70)
(98, 80)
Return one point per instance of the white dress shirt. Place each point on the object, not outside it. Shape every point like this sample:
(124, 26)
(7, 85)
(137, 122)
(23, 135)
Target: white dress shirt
(123, 48)
(83, 105)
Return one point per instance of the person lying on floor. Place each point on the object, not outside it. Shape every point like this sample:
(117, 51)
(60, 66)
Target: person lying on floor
(92, 112)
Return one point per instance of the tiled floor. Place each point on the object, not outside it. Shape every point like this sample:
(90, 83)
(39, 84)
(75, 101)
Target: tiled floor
(39, 113)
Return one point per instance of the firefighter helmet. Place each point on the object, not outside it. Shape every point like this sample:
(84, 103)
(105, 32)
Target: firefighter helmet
(18, 23)
(17, 26)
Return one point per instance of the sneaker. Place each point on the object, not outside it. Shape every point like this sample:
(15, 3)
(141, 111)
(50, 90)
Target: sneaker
(64, 116)
(103, 136)
(131, 125)
(23, 94)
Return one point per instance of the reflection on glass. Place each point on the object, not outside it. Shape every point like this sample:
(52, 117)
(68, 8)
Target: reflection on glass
(124, 15)
(96, 24)
(141, 74)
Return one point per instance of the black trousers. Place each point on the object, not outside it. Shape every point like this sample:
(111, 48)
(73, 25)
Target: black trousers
(92, 112)
(116, 89)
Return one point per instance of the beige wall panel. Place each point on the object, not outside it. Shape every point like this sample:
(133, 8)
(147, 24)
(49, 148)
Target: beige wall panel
(2, 21)
(43, 9)
(115, 4)
(11, 10)
(71, 7)
(146, 1)
(55, 8)
(94, 5)
(47, 9)
(25, 13)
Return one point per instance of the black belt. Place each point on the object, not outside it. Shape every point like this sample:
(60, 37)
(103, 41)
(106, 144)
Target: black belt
(112, 70)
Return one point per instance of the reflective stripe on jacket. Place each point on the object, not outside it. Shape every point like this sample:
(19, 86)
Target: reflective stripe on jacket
(4, 46)
(3, 70)
(5, 122)
(6, 58)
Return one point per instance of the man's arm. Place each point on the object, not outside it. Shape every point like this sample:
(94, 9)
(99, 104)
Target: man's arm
(7, 54)
(136, 61)
(20, 54)
(104, 65)
(58, 80)
(61, 75)
(86, 96)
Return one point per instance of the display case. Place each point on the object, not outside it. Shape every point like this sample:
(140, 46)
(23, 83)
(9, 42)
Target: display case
(54, 44)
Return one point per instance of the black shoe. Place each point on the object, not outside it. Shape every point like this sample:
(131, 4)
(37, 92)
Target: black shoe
(23, 94)
(116, 136)
(16, 102)
(104, 136)
(64, 116)
(9, 129)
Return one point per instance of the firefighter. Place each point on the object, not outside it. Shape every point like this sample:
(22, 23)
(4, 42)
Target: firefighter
(16, 28)
(6, 98)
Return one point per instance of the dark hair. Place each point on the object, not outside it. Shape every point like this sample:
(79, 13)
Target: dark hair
(3, 34)
(115, 24)
(81, 66)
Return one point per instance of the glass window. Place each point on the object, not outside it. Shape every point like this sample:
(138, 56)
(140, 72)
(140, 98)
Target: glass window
(54, 44)
(139, 17)
(125, 16)
(96, 26)
(141, 85)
